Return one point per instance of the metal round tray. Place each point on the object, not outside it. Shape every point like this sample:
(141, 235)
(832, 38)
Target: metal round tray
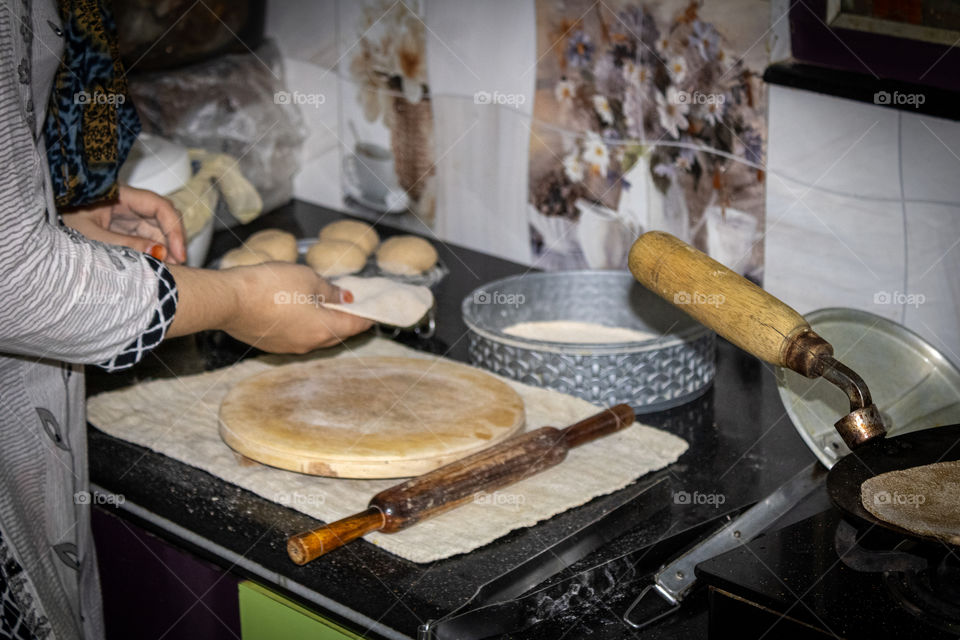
(650, 375)
(914, 385)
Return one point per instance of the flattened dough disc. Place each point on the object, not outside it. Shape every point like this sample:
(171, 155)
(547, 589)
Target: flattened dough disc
(922, 500)
(368, 417)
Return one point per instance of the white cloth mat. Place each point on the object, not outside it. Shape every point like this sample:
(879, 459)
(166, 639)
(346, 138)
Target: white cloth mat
(178, 418)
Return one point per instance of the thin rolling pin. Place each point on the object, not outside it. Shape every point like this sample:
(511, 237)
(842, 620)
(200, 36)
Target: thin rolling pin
(451, 485)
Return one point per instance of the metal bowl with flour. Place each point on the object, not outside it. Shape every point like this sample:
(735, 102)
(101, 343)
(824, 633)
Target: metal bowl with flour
(672, 363)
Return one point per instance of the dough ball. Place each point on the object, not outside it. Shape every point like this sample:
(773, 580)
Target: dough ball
(243, 257)
(280, 245)
(359, 233)
(331, 258)
(406, 255)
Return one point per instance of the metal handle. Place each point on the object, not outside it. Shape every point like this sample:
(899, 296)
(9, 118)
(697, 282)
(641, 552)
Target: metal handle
(675, 580)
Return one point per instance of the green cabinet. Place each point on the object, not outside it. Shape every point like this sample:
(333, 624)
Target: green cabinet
(265, 615)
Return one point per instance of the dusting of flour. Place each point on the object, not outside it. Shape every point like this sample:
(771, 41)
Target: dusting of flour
(575, 331)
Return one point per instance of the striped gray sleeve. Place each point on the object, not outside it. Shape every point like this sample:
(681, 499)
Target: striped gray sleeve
(62, 296)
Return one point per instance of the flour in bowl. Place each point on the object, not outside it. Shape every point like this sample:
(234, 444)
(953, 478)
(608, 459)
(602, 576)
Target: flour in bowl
(575, 331)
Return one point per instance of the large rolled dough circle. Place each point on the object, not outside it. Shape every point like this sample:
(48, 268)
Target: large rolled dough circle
(368, 417)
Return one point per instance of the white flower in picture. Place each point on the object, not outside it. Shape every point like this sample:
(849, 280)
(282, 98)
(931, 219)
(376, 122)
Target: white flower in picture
(663, 44)
(713, 111)
(677, 68)
(635, 74)
(602, 107)
(672, 111)
(564, 91)
(595, 154)
(573, 167)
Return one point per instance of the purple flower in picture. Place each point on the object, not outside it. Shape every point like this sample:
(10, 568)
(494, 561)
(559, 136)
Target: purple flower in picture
(752, 146)
(579, 49)
(631, 20)
(704, 38)
(665, 170)
(685, 159)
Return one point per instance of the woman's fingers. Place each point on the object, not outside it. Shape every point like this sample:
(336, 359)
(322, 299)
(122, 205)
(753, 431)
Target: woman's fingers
(151, 206)
(92, 230)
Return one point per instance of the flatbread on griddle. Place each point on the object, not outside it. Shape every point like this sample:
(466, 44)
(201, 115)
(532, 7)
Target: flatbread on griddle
(924, 500)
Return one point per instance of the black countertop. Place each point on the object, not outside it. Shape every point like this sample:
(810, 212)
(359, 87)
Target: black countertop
(742, 447)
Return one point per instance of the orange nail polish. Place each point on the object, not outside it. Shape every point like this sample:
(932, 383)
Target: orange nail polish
(346, 296)
(158, 251)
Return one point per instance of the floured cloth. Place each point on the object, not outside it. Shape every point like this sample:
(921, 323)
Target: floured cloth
(178, 418)
(384, 300)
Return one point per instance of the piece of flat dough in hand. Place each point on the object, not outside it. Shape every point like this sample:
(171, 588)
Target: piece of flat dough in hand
(924, 500)
(384, 301)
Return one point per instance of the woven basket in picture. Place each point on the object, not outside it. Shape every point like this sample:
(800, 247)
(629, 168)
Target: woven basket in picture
(411, 140)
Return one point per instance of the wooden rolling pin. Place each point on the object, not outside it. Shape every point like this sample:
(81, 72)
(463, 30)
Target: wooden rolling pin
(453, 484)
(728, 303)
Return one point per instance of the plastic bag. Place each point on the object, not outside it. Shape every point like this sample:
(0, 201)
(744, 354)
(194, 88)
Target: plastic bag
(228, 106)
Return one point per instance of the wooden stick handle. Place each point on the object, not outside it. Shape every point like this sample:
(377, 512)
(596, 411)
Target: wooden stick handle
(728, 303)
(453, 484)
(304, 547)
(613, 419)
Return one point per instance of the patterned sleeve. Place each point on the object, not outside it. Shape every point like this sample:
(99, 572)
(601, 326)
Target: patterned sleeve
(162, 318)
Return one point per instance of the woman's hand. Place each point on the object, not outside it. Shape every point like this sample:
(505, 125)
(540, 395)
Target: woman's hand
(274, 306)
(140, 219)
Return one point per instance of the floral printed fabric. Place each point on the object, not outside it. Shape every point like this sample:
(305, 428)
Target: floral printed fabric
(90, 124)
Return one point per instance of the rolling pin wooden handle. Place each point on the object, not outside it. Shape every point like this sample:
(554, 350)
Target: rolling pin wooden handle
(440, 490)
(613, 419)
(304, 547)
(728, 303)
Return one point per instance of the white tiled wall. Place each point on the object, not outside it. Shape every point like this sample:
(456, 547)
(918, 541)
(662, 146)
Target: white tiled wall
(863, 210)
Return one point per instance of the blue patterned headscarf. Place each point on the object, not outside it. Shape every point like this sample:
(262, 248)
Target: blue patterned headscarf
(91, 123)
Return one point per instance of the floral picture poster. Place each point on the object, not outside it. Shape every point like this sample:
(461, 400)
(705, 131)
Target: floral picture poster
(648, 116)
(388, 122)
